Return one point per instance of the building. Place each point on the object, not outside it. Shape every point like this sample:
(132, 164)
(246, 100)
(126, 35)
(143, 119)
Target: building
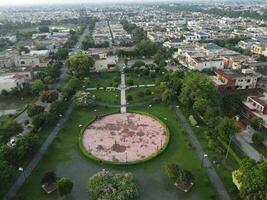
(205, 63)
(259, 48)
(255, 106)
(231, 80)
(13, 80)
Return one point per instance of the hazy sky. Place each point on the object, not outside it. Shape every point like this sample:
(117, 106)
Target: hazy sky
(37, 2)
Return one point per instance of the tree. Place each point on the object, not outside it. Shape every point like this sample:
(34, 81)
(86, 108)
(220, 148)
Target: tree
(257, 138)
(256, 123)
(44, 29)
(84, 98)
(80, 65)
(49, 96)
(39, 120)
(49, 178)
(148, 92)
(226, 128)
(8, 128)
(34, 109)
(37, 86)
(72, 85)
(141, 94)
(64, 186)
(26, 146)
(129, 82)
(105, 185)
(7, 173)
(176, 174)
(252, 177)
(138, 64)
(62, 53)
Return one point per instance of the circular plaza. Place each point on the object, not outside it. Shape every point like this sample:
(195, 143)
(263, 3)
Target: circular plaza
(124, 138)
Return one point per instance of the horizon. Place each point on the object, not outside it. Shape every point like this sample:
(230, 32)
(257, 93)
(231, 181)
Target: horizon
(7, 3)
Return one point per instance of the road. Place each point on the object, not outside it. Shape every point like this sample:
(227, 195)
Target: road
(38, 156)
(247, 148)
(214, 178)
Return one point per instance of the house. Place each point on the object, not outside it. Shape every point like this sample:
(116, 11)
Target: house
(255, 106)
(106, 63)
(259, 48)
(205, 63)
(13, 80)
(231, 80)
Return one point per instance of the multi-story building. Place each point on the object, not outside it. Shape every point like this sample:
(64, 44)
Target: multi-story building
(231, 80)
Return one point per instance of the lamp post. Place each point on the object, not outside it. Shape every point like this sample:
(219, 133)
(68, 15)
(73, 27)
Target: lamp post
(126, 155)
(228, 147)
(202, 161)
(22, 170)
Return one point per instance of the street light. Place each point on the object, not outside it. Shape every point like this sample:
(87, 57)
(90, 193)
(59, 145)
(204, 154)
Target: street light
(150, 106)
(22, 170)
(126, 155)
(228, 147)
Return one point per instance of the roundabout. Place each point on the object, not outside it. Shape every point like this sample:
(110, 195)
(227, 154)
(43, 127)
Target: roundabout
(124, 138)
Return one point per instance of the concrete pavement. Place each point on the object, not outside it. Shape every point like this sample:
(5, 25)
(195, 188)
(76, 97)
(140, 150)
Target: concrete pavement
(214, 178)
(248, 149)
(123, 93)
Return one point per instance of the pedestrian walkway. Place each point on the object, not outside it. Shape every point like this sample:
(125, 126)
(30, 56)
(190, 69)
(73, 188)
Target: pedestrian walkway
(123, 95)
(214, 178)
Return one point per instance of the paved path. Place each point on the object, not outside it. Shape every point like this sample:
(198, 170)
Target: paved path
(214, 178)
(247, 148)
(123, 95)
(38, 156)
(7, 112)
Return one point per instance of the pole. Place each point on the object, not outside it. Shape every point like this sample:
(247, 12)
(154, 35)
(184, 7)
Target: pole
(228, 147)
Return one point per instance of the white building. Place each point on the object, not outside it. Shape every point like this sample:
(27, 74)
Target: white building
(204, 63)
(12, 80)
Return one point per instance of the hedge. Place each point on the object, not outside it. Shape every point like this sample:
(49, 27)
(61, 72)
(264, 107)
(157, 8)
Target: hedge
(91, 156)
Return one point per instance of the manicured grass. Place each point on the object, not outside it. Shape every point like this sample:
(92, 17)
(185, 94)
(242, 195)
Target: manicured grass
(103, 79)
(110, 97)
(65, 157)
(136, 98)
(261, 149)
(13, 102)
(140, 79)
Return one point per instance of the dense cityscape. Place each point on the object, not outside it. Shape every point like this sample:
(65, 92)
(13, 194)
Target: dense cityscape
(153, 100)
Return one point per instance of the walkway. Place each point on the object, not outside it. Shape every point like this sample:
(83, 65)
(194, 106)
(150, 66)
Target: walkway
(38, 156)
(123, 93)
(214, 178)
(247, 148)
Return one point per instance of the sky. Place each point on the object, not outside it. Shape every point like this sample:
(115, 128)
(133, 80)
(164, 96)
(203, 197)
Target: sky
(38, 2)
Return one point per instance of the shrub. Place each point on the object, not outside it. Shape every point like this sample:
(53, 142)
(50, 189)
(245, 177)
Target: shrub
(148, 92)
(49, 96)
(257, 138)
(141, 94)
(129, 97)
(34, 109)
(64, 186)
(130, 82)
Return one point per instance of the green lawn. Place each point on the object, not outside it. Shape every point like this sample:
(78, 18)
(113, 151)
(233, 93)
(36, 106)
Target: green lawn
(65, 157)
(136, 98)
(110, 97)
(140, 79)
(103, 79)
(7, 103)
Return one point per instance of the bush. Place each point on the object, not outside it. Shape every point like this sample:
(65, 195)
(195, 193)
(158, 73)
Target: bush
(39, 120)
(141, 94)
(49, 96)
(130, 82)
(257, 138)
(129, 97)
(148, 92)
(49, 178)
(64, 186)
(34, 109)
(122, 185)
